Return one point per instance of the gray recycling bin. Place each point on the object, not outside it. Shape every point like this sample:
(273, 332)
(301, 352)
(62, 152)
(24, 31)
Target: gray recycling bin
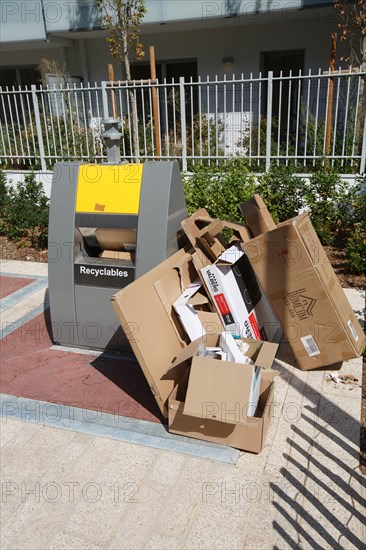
(108, 225)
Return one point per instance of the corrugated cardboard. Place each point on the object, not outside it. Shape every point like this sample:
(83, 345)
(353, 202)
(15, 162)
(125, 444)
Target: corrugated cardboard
(232, 428)
(257, 215)
(204, 234)
(305, 294)
(115, 239)
(160, 344)
(145, 311)
(118, 255)
(225, 385)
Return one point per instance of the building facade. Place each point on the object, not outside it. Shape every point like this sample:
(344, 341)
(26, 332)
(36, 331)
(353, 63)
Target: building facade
(192, 38)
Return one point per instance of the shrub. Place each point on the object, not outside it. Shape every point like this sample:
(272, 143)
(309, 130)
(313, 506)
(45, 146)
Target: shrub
(25, 213)
(219, 189)
(327, 196)
(282, 191)
(3, 193)
(356, 242)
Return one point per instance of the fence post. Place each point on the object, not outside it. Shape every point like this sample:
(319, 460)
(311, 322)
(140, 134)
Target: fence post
(269, 120)
(38, 127)
(105, 100)
(183, 123)
(363, 152)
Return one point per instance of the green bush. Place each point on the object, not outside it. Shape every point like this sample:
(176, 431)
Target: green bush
(338, 211)
(219, 189)
(356, 242)
(25, 212)
(3, 193)
(356, 250)
(327, 196)
(282, 191)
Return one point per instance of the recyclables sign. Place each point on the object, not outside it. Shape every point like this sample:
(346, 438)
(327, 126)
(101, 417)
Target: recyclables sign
(103, 276)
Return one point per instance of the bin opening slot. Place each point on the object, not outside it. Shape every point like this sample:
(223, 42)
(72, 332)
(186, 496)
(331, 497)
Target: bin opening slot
(108, 244)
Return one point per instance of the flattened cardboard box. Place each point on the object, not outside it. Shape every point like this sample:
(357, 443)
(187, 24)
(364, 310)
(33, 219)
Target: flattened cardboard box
(305, 294)
(145, 311)
(157, 338)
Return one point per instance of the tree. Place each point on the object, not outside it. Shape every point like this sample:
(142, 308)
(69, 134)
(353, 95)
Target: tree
(122, 20)
(352, 24)
(351, 16)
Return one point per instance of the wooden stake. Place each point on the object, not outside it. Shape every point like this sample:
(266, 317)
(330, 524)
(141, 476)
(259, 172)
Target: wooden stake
(155, 101)
(330, 94)
(114, 101)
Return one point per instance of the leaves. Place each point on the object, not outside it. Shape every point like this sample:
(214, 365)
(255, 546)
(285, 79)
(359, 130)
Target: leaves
(25, 212)
(122, 20)
(352, 24)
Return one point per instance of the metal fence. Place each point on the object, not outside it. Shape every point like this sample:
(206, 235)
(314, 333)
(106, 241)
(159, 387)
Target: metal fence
(307, 120)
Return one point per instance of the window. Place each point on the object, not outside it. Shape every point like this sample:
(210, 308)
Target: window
(285, 61)
(18, 76)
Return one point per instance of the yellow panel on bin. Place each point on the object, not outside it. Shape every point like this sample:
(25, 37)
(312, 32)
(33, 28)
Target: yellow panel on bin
(109, 189)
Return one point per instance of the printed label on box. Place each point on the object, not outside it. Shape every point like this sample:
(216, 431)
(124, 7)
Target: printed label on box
(310, 345)
(353, 330)
(300, 305)
(224, 309)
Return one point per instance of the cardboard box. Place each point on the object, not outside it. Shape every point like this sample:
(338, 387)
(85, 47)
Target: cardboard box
(216, 382)
(240, 302)
(305, 293)
(215, 400)
(116, 239)
(118, 255)
(145, 310)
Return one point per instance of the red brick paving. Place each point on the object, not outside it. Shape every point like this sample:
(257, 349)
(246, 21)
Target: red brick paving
(8, 285)
(29, 368)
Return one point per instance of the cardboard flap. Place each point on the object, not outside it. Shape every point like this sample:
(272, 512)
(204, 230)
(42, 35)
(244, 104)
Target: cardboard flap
(231, 255)
(199, 299)
(170, 286)
(202, 231)
(154, 338)
(218, 390)
(241, 230)
(266, 355)
(189, 351)
(257, 215)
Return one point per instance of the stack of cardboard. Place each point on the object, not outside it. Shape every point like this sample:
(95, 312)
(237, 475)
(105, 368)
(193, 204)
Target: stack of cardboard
(189, 319)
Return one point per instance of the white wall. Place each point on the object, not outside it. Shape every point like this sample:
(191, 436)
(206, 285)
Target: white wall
(15, 176)
(242, 39)
(242, 42)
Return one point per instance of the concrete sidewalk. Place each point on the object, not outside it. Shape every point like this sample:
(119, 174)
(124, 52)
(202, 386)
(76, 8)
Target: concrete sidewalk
(67, 489)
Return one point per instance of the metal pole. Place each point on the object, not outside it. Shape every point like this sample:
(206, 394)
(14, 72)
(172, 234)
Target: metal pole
(105, 100)
(155, 101)
(183, 123)
(38, 127)
(269, 120)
